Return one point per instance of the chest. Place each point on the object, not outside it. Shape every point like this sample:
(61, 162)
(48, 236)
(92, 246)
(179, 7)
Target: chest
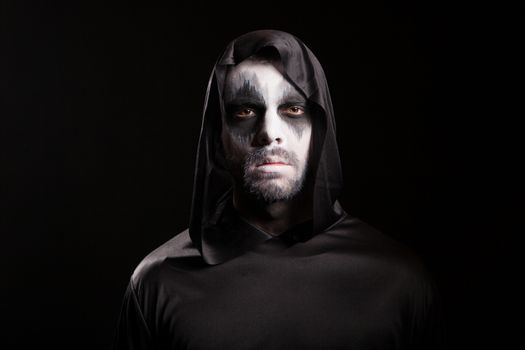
(309, 303)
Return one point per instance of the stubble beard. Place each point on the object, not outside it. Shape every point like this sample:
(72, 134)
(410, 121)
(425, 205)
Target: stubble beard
(270, 187)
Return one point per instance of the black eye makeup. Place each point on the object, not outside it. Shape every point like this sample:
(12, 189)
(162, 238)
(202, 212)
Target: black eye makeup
(293, 110)
(244, 112)
(245, 101)
(292, 104)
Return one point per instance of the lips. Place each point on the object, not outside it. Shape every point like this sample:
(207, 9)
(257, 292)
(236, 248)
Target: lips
(272, 162)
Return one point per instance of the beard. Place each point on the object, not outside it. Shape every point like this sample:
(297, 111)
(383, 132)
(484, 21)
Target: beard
(272, 187)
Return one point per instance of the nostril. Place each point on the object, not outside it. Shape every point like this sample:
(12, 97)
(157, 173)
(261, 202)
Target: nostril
(264, 138)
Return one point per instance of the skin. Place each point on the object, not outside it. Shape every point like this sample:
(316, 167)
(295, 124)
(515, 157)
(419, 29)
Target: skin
(266, 136)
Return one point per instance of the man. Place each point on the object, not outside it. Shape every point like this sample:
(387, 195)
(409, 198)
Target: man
(271, 260)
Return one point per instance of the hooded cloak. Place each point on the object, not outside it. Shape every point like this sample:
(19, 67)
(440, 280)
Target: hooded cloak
(330, 282)
(213, 183)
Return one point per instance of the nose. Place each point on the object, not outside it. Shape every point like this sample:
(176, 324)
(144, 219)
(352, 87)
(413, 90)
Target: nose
(270, 130)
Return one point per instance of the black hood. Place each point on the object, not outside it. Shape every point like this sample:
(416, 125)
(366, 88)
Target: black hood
(212, 183)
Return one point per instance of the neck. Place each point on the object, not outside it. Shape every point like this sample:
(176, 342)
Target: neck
(273, 218)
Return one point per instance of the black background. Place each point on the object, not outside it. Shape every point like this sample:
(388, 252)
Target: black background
(101, 110)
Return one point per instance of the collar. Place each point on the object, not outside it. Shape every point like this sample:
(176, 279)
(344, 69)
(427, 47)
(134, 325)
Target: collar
(231, 235)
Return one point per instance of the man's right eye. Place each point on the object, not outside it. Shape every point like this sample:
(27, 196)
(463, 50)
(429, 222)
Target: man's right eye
(245, 113)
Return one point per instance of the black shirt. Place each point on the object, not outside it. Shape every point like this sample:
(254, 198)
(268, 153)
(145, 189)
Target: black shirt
(349, 287)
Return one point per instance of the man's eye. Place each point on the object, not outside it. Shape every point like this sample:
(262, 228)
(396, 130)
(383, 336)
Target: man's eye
(294, 111)
(245, 113)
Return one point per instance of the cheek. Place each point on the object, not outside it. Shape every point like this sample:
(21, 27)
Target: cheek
(301, 140)
(236, 144)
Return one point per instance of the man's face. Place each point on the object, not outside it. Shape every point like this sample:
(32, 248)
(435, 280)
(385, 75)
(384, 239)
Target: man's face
(266, 133)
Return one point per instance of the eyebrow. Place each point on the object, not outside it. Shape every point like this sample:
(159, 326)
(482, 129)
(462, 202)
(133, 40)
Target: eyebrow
(246, 94)
(291, 95)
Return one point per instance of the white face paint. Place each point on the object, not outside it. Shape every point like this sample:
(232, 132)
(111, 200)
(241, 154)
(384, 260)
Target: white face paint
(267, 130)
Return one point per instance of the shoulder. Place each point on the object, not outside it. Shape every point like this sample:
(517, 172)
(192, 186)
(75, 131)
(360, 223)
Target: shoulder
(403, 277)
(357, 233)
(179, 249)
(380, 251)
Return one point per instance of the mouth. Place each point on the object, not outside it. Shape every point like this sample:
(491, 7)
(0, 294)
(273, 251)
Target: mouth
(272, 163)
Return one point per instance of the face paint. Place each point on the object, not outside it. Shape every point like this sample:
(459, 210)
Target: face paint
(266, 131)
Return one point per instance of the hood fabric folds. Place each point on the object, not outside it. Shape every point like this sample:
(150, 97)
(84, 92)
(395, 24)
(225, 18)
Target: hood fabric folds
(213, 182)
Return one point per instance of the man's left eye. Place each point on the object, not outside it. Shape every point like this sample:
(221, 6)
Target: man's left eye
(294, 110)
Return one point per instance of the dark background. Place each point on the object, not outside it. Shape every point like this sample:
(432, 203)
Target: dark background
(101, 110)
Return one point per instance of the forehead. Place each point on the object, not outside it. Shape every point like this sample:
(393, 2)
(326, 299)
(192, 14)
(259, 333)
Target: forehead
(261, 76)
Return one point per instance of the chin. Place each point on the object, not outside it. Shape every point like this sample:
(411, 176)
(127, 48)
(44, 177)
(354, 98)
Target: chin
(273, 189)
